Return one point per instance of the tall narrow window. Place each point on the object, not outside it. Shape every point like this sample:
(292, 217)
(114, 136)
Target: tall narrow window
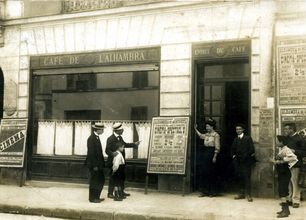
(140, 79)
(139, 113)
(81, 81)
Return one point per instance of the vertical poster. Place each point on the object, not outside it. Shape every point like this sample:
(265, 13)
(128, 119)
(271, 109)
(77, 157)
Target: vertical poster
(291, 68)
(168, 145)
(266, 129)
(12, 142)
(296, 116)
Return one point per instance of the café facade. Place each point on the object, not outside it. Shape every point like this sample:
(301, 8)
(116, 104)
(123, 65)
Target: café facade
(116, 61)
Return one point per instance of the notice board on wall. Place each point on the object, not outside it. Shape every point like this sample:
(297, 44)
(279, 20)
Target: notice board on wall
(266, 127)
(291, 69)
(296, 116)
(168, 145)
(12, 142)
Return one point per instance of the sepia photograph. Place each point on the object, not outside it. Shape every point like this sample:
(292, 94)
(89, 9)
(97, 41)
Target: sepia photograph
(152, 109)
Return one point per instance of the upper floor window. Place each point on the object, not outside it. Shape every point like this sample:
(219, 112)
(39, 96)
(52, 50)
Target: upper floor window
(140, 79)
(81, 81)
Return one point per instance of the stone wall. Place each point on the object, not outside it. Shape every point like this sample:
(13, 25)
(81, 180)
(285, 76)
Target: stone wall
(174, 29)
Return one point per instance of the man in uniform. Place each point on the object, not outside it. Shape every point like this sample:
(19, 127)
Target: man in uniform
(95, 163)
(111, 152)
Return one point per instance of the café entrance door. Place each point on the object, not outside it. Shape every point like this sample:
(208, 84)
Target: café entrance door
(222, 93)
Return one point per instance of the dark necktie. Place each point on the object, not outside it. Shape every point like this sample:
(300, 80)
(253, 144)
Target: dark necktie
(120, 138)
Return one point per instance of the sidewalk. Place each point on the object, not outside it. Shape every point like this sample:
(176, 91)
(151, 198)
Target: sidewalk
(71, 201)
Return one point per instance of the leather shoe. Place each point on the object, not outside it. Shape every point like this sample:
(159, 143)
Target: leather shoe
(111, 196)
(250, 199)
(239, 197)
(203, 194)
(295, 205)
(95, 201)
(101, 199)
(288, 202)
(126, 194)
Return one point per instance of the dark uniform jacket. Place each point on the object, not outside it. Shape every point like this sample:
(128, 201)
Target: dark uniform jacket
(94, 156)
(111, 148)
(297, 143)
(244, 150)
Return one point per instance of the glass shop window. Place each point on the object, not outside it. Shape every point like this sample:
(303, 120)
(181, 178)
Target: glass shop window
(65, 105)
(227, 70)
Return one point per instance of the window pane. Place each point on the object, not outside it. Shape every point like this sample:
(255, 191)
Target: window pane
(215, 71)
(236, 70)
(207, 92)
(217, 92)
(206, 108)
(216, 107)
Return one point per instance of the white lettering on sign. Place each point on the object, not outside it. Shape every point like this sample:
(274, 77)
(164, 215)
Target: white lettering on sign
(238, 49)
(121, 57)
(204, 51)
(12, 140)
(74, 60)
(57, 60)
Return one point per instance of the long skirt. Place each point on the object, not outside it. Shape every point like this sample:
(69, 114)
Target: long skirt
(208, 172)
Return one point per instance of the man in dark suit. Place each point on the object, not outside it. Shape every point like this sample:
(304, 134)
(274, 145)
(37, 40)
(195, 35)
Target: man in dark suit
(296, 143)
(95, 163)
(243, 153)
(111, 153)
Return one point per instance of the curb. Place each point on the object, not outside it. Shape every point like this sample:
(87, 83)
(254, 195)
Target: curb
(85, 214)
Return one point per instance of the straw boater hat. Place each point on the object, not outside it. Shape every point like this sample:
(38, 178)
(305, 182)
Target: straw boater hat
(117, 126)
(98, 125)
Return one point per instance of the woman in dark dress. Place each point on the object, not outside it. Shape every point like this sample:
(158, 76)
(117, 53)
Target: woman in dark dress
(209, 151)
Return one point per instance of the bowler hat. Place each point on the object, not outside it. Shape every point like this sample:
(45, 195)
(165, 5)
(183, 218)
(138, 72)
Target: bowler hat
(98, 125)
(117, 126)
(240, 125)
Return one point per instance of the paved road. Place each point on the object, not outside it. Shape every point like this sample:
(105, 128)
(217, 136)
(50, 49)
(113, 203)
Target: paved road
(24, 217)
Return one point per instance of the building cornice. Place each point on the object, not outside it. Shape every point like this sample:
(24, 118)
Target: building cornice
(290, 16)
(122, 11)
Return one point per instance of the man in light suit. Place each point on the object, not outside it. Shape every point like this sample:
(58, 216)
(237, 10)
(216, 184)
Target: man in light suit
(95, 163)
(243, 153)
(111, 153)
(296, 143)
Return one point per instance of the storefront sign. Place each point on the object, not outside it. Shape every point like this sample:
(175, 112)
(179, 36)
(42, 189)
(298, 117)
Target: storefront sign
(266, 129)
(291, 70)
(88, 5)
(12, 142)
(97, 59)
(222, 50)
(168, 145)
(294, 115)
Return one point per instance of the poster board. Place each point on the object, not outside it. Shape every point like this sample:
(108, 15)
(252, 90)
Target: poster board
(266, 127)
(294, 115)
(12, 142)
(291, 69)
(168, 145)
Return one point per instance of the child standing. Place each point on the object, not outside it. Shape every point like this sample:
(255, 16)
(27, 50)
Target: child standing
(284, 160)
(118, 173)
